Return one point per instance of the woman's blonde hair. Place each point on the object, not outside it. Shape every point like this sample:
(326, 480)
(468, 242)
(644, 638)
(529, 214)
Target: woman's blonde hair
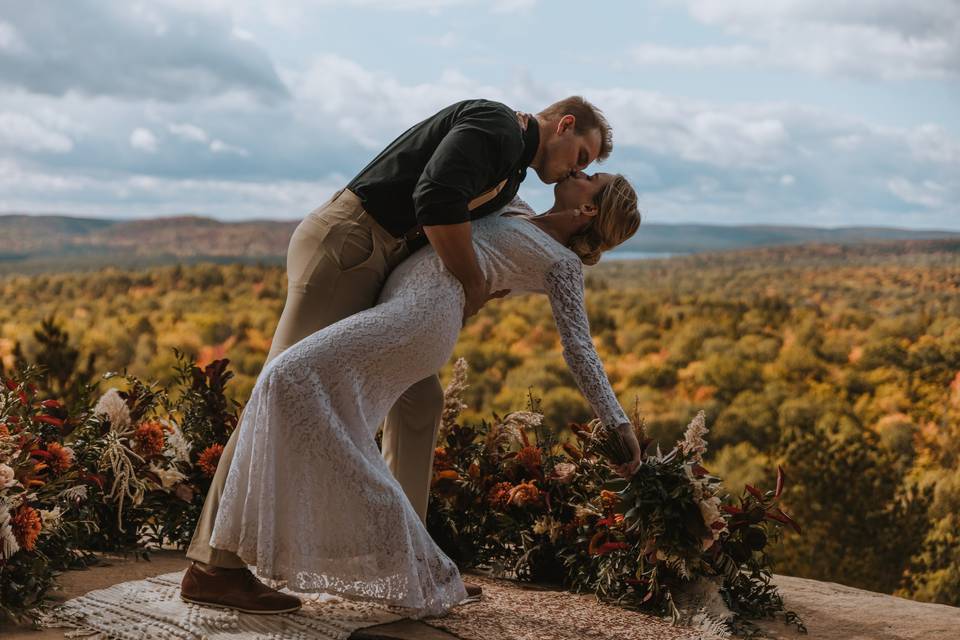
(618, 218)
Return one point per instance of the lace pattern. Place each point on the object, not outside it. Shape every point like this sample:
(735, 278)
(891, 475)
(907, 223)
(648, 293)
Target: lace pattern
(564, 286)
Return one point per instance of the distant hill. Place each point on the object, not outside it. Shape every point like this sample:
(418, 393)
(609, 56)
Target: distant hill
(697, 238)
(39, 243)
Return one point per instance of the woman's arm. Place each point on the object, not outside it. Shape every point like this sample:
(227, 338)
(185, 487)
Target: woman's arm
(564, 286)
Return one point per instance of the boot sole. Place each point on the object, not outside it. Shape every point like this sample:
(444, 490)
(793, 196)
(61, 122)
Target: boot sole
(217, 605)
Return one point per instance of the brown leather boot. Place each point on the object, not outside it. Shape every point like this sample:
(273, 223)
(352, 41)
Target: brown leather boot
(233, 589)
(473, 590)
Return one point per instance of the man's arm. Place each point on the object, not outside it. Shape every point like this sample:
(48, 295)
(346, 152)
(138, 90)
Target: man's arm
(470, 158)
(454, 244)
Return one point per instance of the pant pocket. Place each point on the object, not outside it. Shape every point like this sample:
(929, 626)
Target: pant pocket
(358, 247)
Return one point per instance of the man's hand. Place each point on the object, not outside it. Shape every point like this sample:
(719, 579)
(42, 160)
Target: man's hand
(454, 244)
(477, 296)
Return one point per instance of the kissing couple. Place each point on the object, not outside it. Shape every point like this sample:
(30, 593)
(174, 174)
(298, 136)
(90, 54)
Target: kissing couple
(380, 280)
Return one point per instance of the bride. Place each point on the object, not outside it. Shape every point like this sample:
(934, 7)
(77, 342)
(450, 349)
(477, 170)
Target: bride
(308, 498)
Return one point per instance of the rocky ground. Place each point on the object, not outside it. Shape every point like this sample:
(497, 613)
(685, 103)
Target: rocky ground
(831, 611)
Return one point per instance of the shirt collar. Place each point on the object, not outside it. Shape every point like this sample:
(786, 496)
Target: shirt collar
(531, 141)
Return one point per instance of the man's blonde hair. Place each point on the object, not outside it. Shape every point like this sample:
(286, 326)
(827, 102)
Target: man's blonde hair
(617, 220)
(588, 117)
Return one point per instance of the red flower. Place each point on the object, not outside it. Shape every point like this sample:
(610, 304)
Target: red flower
(529, 458)
(26, 526)
(209, 459)
(149, 438)
(499, 495)
(60, 458)
(525, 493)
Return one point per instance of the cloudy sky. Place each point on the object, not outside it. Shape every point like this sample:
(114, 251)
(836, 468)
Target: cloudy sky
(810, 112)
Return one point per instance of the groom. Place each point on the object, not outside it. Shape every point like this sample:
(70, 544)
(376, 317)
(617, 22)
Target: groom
(462, 163)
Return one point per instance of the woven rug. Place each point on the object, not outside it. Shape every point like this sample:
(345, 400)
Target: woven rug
(511, 610)
(152, 609)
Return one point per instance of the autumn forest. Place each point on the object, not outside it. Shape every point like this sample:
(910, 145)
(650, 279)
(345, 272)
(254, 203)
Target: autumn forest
(841, 363)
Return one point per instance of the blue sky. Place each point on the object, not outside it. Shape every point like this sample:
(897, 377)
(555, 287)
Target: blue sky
(724, 111)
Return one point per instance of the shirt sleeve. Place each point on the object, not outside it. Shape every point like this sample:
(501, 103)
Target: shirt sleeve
(474, 156)
(564, 286)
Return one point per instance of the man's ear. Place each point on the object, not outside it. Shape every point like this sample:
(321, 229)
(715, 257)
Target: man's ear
(566, 123)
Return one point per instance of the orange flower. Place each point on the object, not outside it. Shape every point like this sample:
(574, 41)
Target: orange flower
(60, 457)
(26, 526)
(525, 493)
(529, 457)
(149, 438)
(4, 432)
(474, 470)
(209, 459)
(499, 495)
(446, 474)
(608, 499)
(440, 458)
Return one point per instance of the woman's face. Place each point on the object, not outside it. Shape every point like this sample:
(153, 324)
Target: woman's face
(579, 189)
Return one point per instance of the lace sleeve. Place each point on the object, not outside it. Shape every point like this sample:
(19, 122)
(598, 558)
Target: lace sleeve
(564, 286)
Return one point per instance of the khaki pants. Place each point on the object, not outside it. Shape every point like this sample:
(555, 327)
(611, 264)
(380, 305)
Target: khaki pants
(337, 262)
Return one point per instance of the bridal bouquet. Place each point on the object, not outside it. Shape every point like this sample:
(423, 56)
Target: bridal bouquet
(527, 502)
(672, 528)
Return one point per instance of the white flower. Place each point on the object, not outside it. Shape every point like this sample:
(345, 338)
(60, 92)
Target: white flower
(8, 543)
(50, 519)
(115, 409)
(581, 511)
(693, 442)
(548, 525)
(6, 477)
(453, 402)
(514, 423)
(178, 447)
(168, 477)
(77, 492)
(542, 525)
(710, 510)
(564, 472)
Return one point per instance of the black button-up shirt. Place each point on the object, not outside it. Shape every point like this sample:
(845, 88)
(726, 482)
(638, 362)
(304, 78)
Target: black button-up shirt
(429, 174)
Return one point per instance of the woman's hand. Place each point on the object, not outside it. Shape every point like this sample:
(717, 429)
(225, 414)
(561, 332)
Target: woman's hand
(627, 469)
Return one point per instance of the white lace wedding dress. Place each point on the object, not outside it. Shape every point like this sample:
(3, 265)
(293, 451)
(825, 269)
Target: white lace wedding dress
(308, 499)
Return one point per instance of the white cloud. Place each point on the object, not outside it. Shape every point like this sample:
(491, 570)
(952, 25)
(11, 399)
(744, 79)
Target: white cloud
(927, 193)
(513, 6)
(445, 41)
(143, 139)
(137, 195)
(881, 39)
(787, 180)
(18, 131)
(142, 50)
(10, 40)
(695, 57)
(219, 146)
(188, 132)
